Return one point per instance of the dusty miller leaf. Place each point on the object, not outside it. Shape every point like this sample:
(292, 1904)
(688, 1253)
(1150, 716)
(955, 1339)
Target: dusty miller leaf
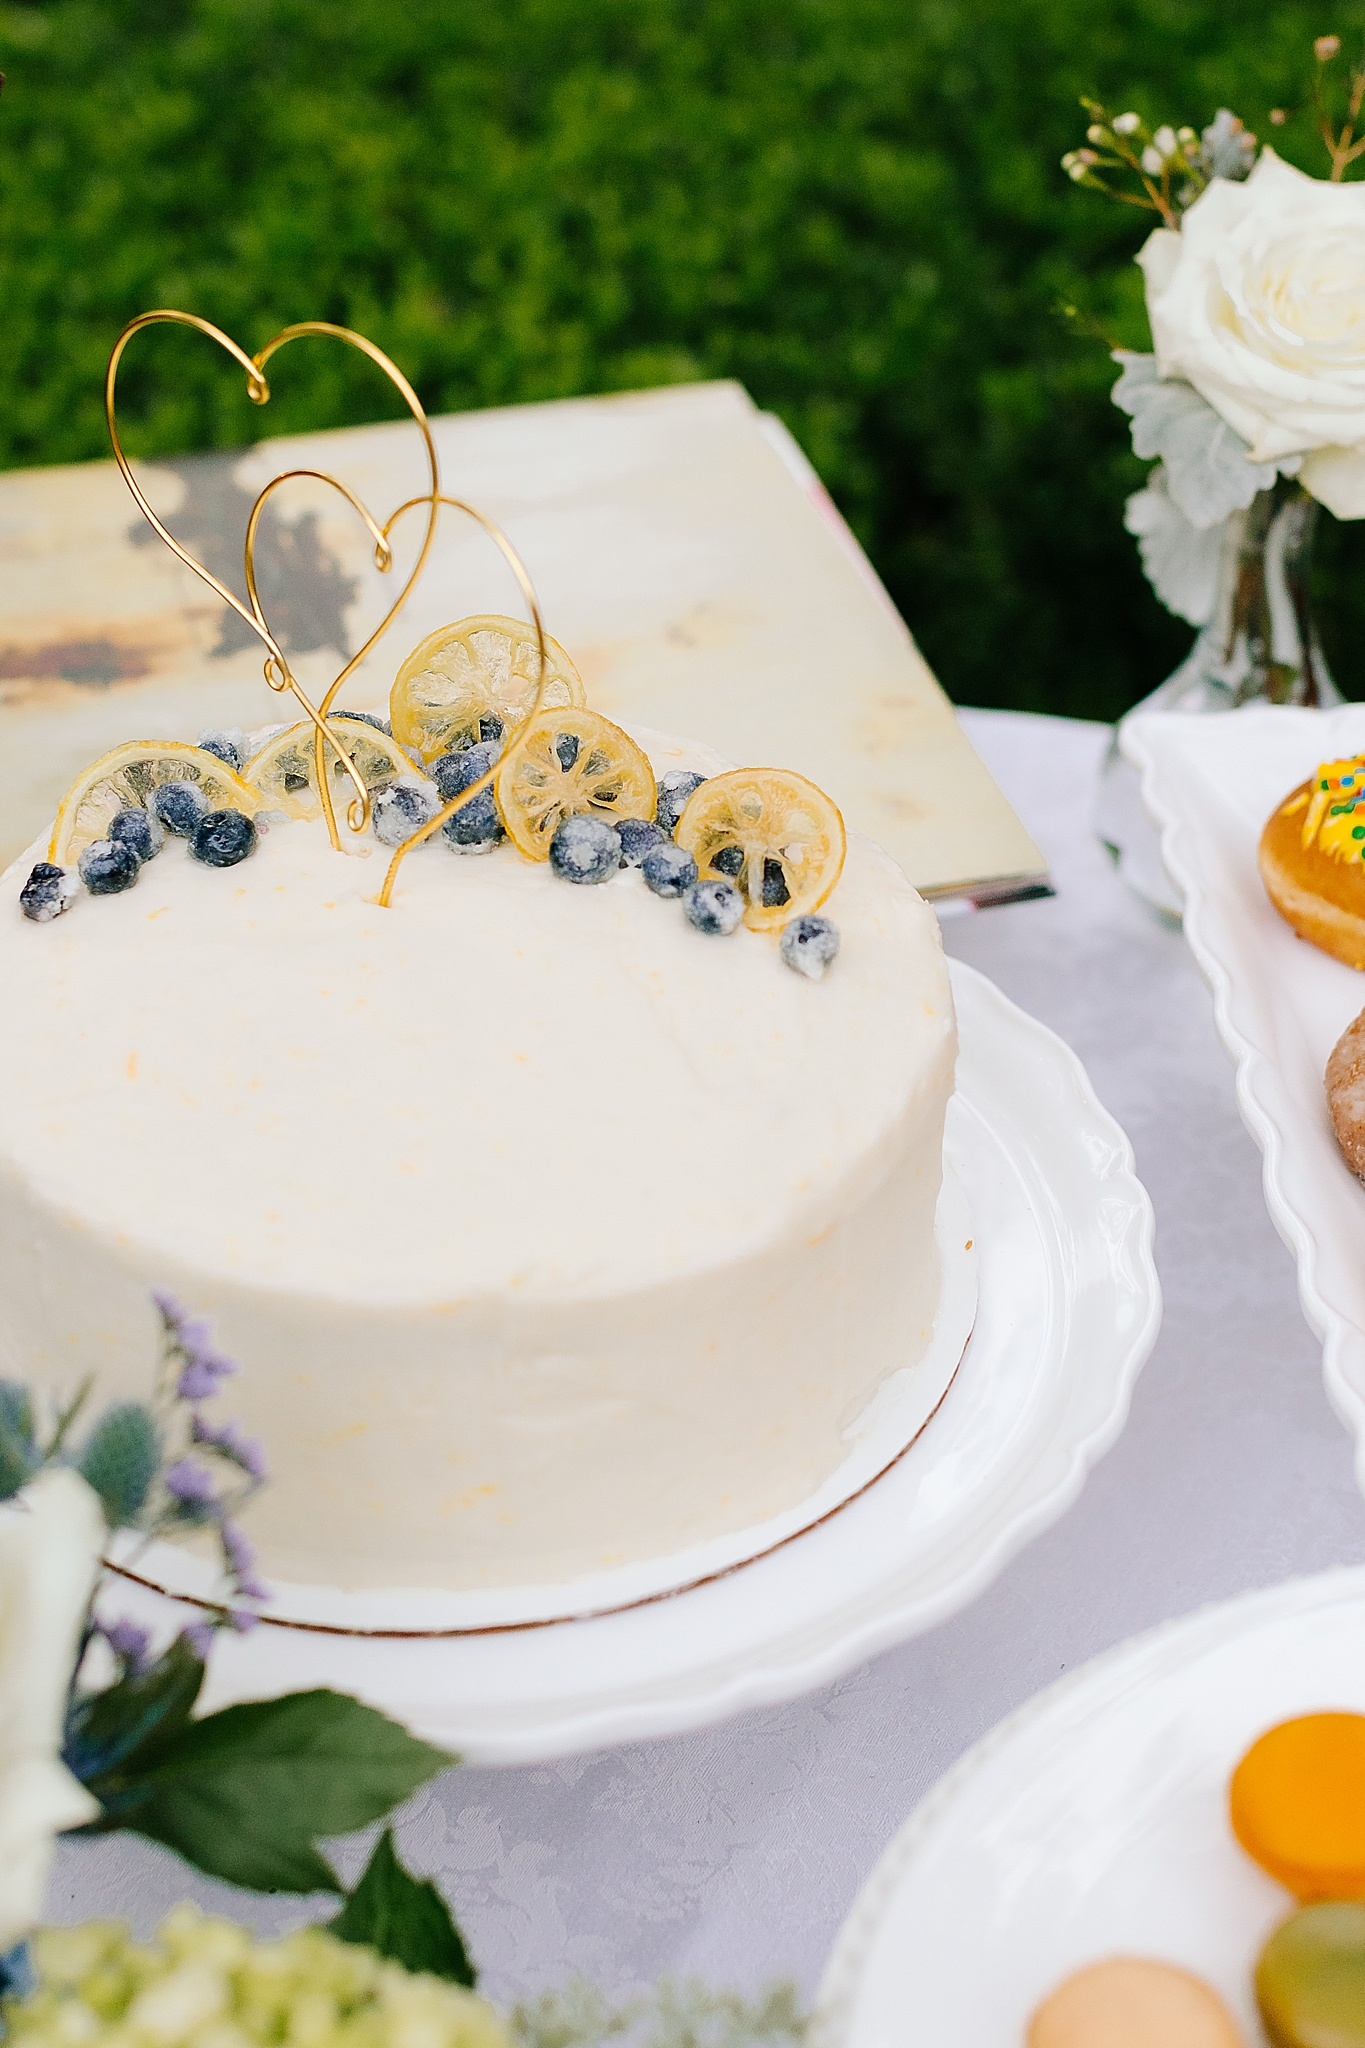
(1207, 472)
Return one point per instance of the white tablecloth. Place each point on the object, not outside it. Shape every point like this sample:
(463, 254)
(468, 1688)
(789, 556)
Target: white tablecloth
(736, 1853)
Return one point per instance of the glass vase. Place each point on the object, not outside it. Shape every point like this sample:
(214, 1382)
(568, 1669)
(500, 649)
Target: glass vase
(1260, 645)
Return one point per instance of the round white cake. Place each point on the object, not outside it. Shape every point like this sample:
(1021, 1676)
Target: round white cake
(551, 1233)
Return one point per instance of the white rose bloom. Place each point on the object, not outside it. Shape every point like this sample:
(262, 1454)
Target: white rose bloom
(50, 1542)
(1259, 303)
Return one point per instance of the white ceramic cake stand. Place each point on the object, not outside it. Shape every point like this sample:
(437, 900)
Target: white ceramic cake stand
(1093, 1823)
(1068, 1309)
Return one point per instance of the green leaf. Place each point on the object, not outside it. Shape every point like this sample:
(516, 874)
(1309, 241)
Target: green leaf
(19, 1454)
(244, 1794)
(120, 1461)
(404, 1918)
(113, 1737)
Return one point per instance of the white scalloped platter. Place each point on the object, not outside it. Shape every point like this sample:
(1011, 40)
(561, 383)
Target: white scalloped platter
(1210, 782)
(1068, 1308)
(1093, 1823)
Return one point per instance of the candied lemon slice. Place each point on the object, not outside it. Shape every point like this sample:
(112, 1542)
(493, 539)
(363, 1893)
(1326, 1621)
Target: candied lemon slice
(777, 837)
(130, 774)
(564, 763)
(485, 667)
(281, 772)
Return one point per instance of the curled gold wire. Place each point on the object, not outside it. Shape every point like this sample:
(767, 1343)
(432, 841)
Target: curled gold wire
(358, 812)
(277, 671)
(518, 568)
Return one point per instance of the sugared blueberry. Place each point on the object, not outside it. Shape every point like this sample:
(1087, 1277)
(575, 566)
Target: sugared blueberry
(566, 749)
(107, 867)
(775, 890)
(476, 826)
(403, 807)
(222, 838)
(714, 907)
(668, 870)
(674, 790)
(139, 829)
(638, 835)
(728, 861)
(230, 745)
(585, 849)
(491, 727)
(367, 718)
(179, 806)
(47, 892)
(809, 944)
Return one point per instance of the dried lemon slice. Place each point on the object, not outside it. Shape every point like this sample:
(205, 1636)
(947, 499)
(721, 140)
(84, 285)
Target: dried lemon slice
(130, 774)
(565, 763)
(777, 837)
(281, 772)
(482, 668)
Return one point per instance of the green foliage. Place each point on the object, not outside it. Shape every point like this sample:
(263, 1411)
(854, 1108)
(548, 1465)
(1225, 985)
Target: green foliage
(246, 1793)
(121, 1459)
(854, 206)
(403, 1918)
(112, 1735)
(19, 1454)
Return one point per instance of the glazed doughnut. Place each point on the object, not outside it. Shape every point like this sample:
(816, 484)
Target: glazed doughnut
(1346, 1093)
(1312, 859)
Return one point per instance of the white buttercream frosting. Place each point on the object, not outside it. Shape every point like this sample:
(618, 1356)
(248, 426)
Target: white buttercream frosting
(550, 1231)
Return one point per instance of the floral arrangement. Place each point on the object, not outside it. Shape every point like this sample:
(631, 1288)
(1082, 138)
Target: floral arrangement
(98, 1731)
(1252, 404)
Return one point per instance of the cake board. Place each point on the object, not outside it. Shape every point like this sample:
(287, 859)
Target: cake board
(1068, 1308)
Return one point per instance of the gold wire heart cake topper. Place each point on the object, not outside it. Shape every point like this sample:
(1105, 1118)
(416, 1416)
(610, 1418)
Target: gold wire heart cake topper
(758, 846)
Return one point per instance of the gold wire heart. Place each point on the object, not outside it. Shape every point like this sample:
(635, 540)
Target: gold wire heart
(278, 674)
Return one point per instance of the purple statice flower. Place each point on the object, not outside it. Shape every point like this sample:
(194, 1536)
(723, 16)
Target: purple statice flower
(241, 1562)
(199, 1635)
(243, 1620)
(192, 1483)
(128, 1641)
(227, 1438)
(203, 1367)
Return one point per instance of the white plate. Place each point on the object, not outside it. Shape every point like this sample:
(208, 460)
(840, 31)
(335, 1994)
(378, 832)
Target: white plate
(1093, 1823)
(902, 1406)
(1280, 1005)
(1068, 1310)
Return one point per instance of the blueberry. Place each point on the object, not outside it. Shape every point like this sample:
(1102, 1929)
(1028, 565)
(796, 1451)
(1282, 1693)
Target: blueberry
(566, 749)
(476, 826)
(673, 791)
(47, 892)
(223, 838)
(714, 907)
(728, 861)
(637, 837)
(106, 867)
(585, 849)
(138, 829)
(668, 870)
(809, 944)
(491, 728)
(179, 806)
(365, 718)
(775, 890)
(403, 807)
(231, 746)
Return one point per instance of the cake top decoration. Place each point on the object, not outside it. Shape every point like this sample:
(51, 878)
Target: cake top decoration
(489, 737)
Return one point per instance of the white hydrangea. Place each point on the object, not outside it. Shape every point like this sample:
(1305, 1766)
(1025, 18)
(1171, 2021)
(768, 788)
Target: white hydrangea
(206, 1983)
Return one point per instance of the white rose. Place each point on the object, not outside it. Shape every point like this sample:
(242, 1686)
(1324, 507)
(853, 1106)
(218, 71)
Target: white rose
(50, 1542)
(1259, 302)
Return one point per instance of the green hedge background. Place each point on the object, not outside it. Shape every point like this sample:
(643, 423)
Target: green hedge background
(854, 206)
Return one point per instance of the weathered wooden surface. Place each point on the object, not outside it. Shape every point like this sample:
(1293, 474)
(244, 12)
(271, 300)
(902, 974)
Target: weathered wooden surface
(683, 552)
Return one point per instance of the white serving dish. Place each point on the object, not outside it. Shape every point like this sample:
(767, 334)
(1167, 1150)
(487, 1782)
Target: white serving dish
(1068, 1309)
(1210, 782)
(1093, 1823)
